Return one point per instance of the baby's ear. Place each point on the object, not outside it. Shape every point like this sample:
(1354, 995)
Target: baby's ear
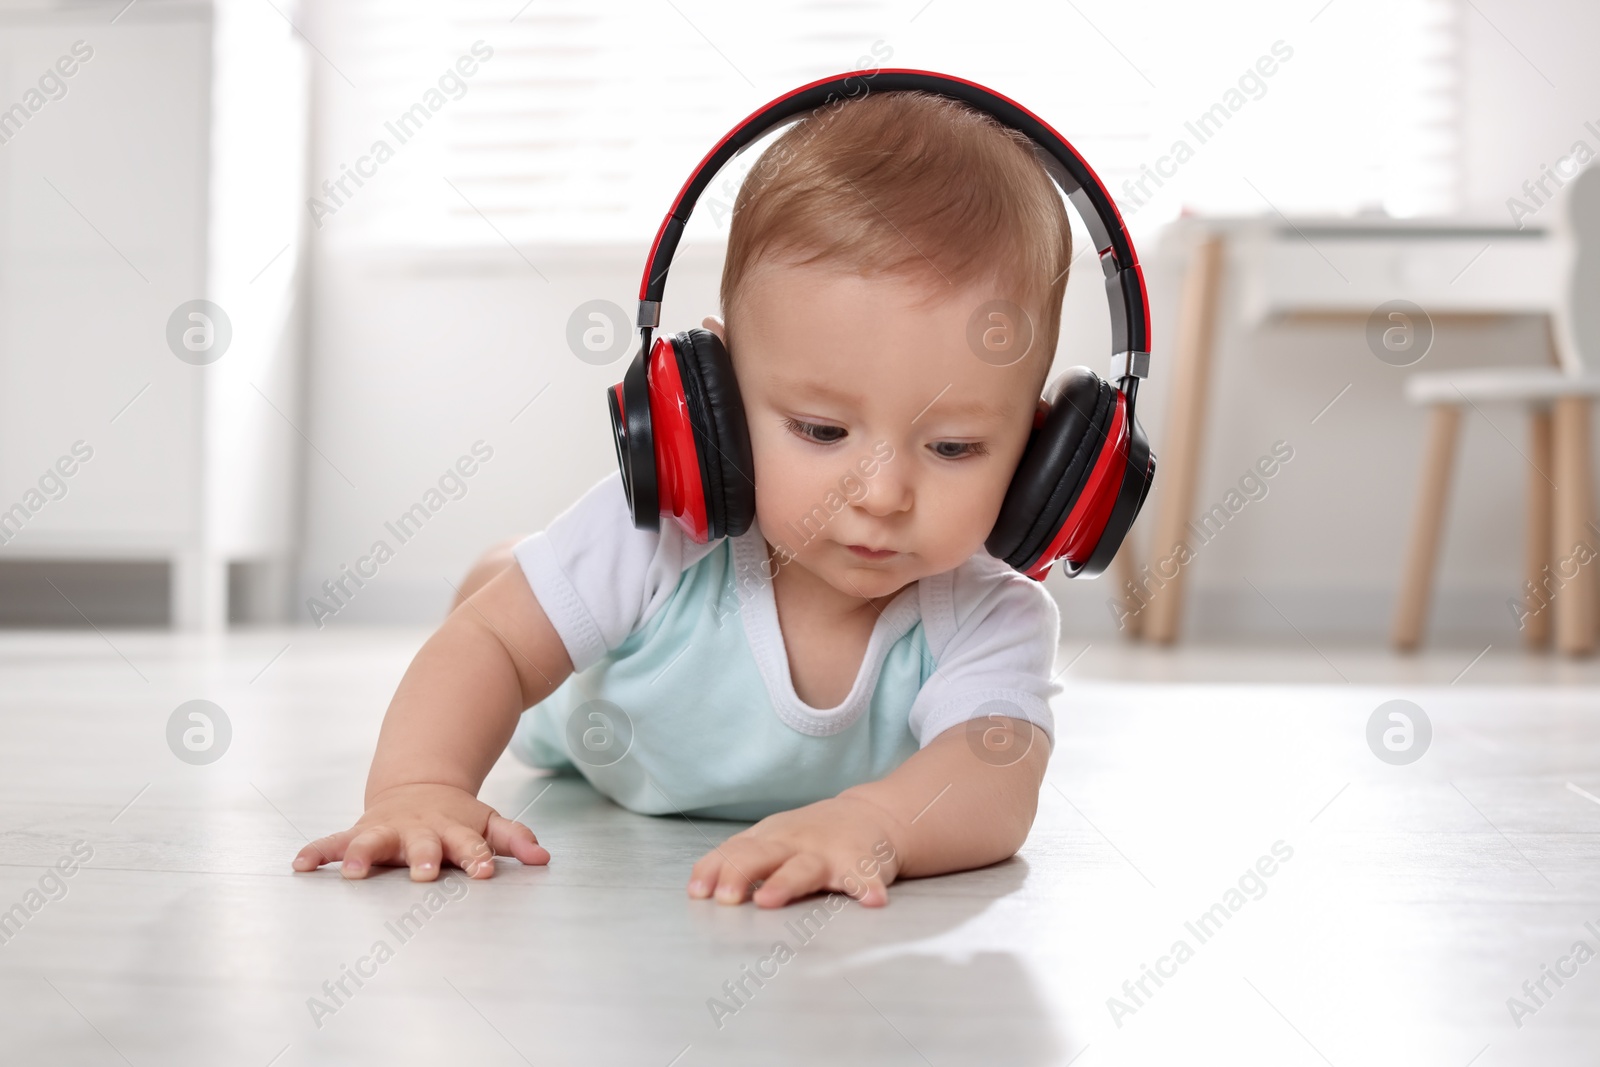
(714, 324)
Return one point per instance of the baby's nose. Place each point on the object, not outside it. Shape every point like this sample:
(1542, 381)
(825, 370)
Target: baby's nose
(888, 493)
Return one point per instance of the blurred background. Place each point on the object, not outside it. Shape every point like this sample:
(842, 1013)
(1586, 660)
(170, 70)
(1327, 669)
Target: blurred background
(270, 270)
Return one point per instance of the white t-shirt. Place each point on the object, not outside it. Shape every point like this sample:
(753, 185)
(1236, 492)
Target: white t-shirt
(681, 698)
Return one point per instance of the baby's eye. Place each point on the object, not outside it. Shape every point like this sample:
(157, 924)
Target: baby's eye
(957, 449)
(815, 431)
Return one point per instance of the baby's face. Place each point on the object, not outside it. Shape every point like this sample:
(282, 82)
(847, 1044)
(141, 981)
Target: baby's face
(874, 425)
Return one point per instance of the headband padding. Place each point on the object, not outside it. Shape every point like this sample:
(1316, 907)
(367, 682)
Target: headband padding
(1060, 454)
(722, 439)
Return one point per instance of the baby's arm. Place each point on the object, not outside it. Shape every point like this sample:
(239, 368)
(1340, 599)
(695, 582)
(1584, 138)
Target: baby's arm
(450, 719)
(946, 808)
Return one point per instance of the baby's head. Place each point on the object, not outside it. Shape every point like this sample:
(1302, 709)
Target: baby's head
(878, 254)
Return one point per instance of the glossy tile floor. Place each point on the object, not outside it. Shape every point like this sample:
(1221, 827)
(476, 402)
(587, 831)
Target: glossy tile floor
(1403, 905)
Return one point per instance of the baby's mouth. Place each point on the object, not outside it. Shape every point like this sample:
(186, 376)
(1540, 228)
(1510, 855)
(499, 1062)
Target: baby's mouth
(864, 552)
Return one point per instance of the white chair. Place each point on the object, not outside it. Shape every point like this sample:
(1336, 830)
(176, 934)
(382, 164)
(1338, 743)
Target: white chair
(1562, 549)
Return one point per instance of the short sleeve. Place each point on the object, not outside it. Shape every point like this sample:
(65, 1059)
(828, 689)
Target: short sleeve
(597, 576)
(993, 634)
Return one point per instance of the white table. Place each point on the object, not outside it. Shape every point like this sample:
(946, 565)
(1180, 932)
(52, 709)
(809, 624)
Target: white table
(1287, 269)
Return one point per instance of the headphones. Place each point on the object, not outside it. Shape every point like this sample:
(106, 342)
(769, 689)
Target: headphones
(679, 421)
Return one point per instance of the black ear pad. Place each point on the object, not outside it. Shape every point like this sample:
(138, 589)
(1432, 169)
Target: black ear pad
(1060, 454)
(635, 443)
(722, 437)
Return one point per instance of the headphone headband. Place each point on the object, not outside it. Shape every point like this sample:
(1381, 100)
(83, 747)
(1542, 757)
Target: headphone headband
(1130, 305)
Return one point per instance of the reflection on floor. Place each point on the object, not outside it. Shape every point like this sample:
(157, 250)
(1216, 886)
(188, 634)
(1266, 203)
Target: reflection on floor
(1222, 869)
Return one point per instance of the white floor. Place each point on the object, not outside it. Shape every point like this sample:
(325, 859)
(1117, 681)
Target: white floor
(1417, 899)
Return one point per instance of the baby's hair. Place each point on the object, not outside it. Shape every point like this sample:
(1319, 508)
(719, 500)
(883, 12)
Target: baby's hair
(912, 185)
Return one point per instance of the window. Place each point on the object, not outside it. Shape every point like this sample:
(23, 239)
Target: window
(587, 118)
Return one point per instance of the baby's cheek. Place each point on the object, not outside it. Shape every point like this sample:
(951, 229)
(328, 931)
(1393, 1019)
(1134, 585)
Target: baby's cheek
(961, 530)
(771, 488)
(780, 484)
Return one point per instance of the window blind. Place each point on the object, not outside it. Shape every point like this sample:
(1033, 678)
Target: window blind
(584, 121)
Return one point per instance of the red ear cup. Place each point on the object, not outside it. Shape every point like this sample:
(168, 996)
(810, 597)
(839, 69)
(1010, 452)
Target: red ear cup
(1074, 494)
(680, 470)
(1138, 473)
(722, 437)
(682, 442)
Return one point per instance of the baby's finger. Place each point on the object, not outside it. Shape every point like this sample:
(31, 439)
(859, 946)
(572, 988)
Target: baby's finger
(376, 844)
(509, 838)
(873, 891)
(800, 876)
(467, 850)
(703, 875)
(323, 850)
(743, 866)
(423, 854)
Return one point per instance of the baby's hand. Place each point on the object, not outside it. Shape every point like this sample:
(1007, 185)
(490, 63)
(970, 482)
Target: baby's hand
(417, 826)
(843, 843)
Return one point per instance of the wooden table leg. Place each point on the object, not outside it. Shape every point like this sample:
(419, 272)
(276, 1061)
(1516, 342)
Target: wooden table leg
(1535, 613)
(1180, 447)
(1124, 567)
(1574, 541)
(1416, 582)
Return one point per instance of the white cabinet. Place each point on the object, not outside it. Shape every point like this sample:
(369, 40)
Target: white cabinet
(167, 168)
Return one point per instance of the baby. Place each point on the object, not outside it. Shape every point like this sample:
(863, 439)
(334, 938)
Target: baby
(855, 671)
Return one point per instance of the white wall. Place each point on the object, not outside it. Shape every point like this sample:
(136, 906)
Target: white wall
(413, 361)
